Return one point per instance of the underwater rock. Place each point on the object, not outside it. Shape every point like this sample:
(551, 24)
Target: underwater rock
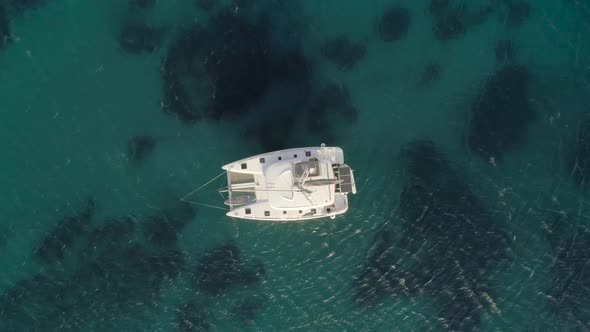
(137, 38)
(164, 227)
(394, 24)
(415, 201)
(53, 247)
(118, 259)
(579, 158)
(424, 164)
(206, 4)
(24, 289)
(438, 7)
(241, 63)
(430, 74)
(282, 105)
(251, 272)
(332, 96)
(243, 3)
(480, 15)
(119, 275)
(114, 235)
(504, 50)
(226, 64)
(193, 317)
(114, 230)
(501, 114)
(169, 264)
(278, 121)
(445, 256)
(218, 269)
(449, 27)
(179, 213)
(139, 148)
(189, 88)
(571, 241)
(558, 228)
(442, 221)
(121, 270)
(183, 104)
(125, 275)
(32, 304)
(448, 21)
(239, 67)
(6, 233)
(332, 103)
(518, 11)
(273, 139)
(460, 301)
(18, 7)
(342, 52)
(142, 4)
(5, 35)
(161, 231)
(572, 276)
(292, 69)
(379, 277)
(246, 310)
(453, 19)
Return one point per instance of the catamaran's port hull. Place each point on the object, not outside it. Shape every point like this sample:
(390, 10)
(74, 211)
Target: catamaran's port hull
(257, 163)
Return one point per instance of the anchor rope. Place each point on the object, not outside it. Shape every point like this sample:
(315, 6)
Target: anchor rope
(201, 187)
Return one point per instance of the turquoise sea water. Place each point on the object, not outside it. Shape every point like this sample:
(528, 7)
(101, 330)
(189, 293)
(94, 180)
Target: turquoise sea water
(72, 98)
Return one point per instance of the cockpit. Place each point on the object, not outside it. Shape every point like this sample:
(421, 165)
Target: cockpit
(307, 168)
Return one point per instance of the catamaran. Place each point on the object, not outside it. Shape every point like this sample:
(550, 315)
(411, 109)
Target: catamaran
(293, 184)
(288, 185)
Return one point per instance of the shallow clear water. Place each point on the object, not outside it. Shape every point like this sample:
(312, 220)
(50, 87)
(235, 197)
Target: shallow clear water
(71, 98)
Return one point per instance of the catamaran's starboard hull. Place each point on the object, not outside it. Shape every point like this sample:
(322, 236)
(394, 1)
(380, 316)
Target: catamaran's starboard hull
(290, 215)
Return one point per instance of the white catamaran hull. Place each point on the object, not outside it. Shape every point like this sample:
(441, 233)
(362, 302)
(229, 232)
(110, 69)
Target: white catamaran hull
(293, 184)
